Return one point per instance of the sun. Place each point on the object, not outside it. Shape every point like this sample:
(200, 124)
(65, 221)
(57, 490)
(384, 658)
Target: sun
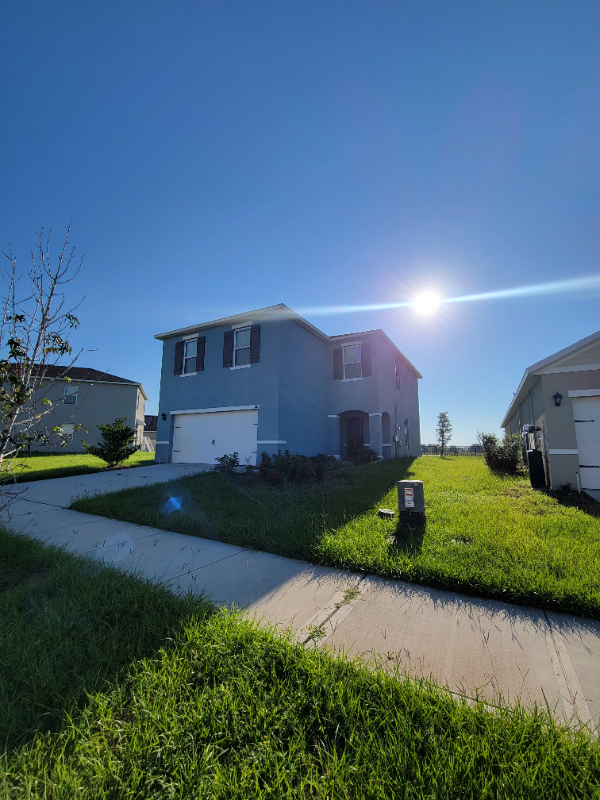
(426, 303)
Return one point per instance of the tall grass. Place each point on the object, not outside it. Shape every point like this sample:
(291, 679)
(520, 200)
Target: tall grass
(168, 700)
(485, 535)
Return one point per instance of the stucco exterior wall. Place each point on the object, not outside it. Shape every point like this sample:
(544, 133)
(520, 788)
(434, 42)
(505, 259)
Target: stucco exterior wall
(293, 386)
(97, 404)
(560, 423)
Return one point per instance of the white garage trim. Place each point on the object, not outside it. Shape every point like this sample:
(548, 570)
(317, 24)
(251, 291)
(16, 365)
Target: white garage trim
(214, 410)
(584, 392)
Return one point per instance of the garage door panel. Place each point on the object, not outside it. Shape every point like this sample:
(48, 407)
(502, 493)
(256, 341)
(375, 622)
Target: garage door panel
(202, 438)
(590, 477)
(586, 413)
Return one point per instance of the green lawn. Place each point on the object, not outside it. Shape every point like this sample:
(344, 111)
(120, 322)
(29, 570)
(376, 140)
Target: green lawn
(485, 535)
(113, 688)
(38, 467)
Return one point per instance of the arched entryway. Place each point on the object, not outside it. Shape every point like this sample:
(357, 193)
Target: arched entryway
(354, 432)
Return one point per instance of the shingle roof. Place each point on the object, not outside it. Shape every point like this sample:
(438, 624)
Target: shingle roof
(83, 374)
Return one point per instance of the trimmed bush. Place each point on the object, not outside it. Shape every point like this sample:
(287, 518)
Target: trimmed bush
(502, 456)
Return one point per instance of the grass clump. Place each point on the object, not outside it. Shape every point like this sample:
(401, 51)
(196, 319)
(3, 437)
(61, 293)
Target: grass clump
(486, 534)
(211, 705)
(42, 466)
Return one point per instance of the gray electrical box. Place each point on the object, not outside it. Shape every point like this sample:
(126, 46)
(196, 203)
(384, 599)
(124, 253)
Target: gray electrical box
(411, 501)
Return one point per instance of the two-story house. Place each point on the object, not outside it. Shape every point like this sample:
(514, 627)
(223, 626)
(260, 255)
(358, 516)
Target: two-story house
(268, 380)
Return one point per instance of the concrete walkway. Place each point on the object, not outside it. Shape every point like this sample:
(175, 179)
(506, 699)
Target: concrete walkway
(472, 646)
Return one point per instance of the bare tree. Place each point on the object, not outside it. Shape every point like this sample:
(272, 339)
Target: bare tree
(443, 431)
(34, 334)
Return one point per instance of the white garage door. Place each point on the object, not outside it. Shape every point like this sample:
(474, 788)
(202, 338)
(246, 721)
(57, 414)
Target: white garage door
(586, 412)
(202, 438)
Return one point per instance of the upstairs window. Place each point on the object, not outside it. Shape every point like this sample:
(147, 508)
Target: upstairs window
(241, 348)
(397, 374)
(190, 352)
(70, 398)
(352, 362)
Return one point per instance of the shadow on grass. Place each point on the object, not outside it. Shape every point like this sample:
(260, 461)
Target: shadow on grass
(408, 539)
(570, 498)
(288, 520)
(69, 625)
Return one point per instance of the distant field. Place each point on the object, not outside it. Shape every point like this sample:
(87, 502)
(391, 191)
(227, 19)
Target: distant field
(39, 467)
(485, 535)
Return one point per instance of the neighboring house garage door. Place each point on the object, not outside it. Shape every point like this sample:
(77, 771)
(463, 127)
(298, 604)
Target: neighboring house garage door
(202, 438)
(586, 412)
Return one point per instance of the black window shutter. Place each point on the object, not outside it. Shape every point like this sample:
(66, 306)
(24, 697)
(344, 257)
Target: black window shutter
(200, 354)
(255, 344)
(228, 349)
(178, 358)
(338, 365)
(365, 357)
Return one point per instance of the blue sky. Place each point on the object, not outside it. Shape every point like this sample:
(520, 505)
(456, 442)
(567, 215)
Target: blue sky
(220, 156)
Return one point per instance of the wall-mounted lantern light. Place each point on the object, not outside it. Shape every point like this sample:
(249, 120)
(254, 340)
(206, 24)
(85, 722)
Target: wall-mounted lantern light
(557, 399)
(164, 416)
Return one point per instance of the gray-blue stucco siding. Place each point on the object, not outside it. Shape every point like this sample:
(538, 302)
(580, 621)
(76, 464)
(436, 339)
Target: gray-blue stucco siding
(293, 385)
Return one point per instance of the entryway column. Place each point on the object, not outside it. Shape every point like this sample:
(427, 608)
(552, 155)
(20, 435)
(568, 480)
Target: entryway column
(333, 435)
(375, 434)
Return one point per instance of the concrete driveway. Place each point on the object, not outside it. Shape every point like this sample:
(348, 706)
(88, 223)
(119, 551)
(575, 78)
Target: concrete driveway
(474, 647)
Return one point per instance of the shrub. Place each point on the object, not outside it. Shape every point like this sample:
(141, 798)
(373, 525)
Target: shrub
(363, 455)
(114, 446)
(502, 456)
(227, 463)
(294, 468)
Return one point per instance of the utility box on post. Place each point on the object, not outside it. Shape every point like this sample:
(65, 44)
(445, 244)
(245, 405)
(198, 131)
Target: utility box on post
(411, 501)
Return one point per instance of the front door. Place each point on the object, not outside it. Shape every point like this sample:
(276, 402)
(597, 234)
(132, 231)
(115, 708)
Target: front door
(356, 434)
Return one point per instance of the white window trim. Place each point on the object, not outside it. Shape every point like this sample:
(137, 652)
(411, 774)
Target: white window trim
(214, 410)
(271, 441)
(235, 329)
(191, 336)
(184, 374)
(376, 414)
(563, 452)
(344, 346)
(242, 325)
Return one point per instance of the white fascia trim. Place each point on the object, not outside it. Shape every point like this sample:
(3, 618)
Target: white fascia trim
(271, 441)
(584, 392)
(577, 368)
(350, 380)
(187, 374)
(167, 442)
(213, 410)
(333, 416)
(563, 452)
(376, 414)
(242, 325)
(242, 366)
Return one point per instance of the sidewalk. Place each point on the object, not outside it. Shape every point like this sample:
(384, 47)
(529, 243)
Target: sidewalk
(473, 646)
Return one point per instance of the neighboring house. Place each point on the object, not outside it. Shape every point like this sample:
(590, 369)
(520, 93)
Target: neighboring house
(90, 398)
(561, 394)
(150, 429)
(268, 380)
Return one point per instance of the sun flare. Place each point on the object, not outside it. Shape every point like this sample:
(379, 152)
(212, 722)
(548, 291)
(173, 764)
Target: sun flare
(426, 303)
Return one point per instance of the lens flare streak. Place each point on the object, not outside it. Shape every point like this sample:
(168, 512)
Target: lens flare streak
(556, 287)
